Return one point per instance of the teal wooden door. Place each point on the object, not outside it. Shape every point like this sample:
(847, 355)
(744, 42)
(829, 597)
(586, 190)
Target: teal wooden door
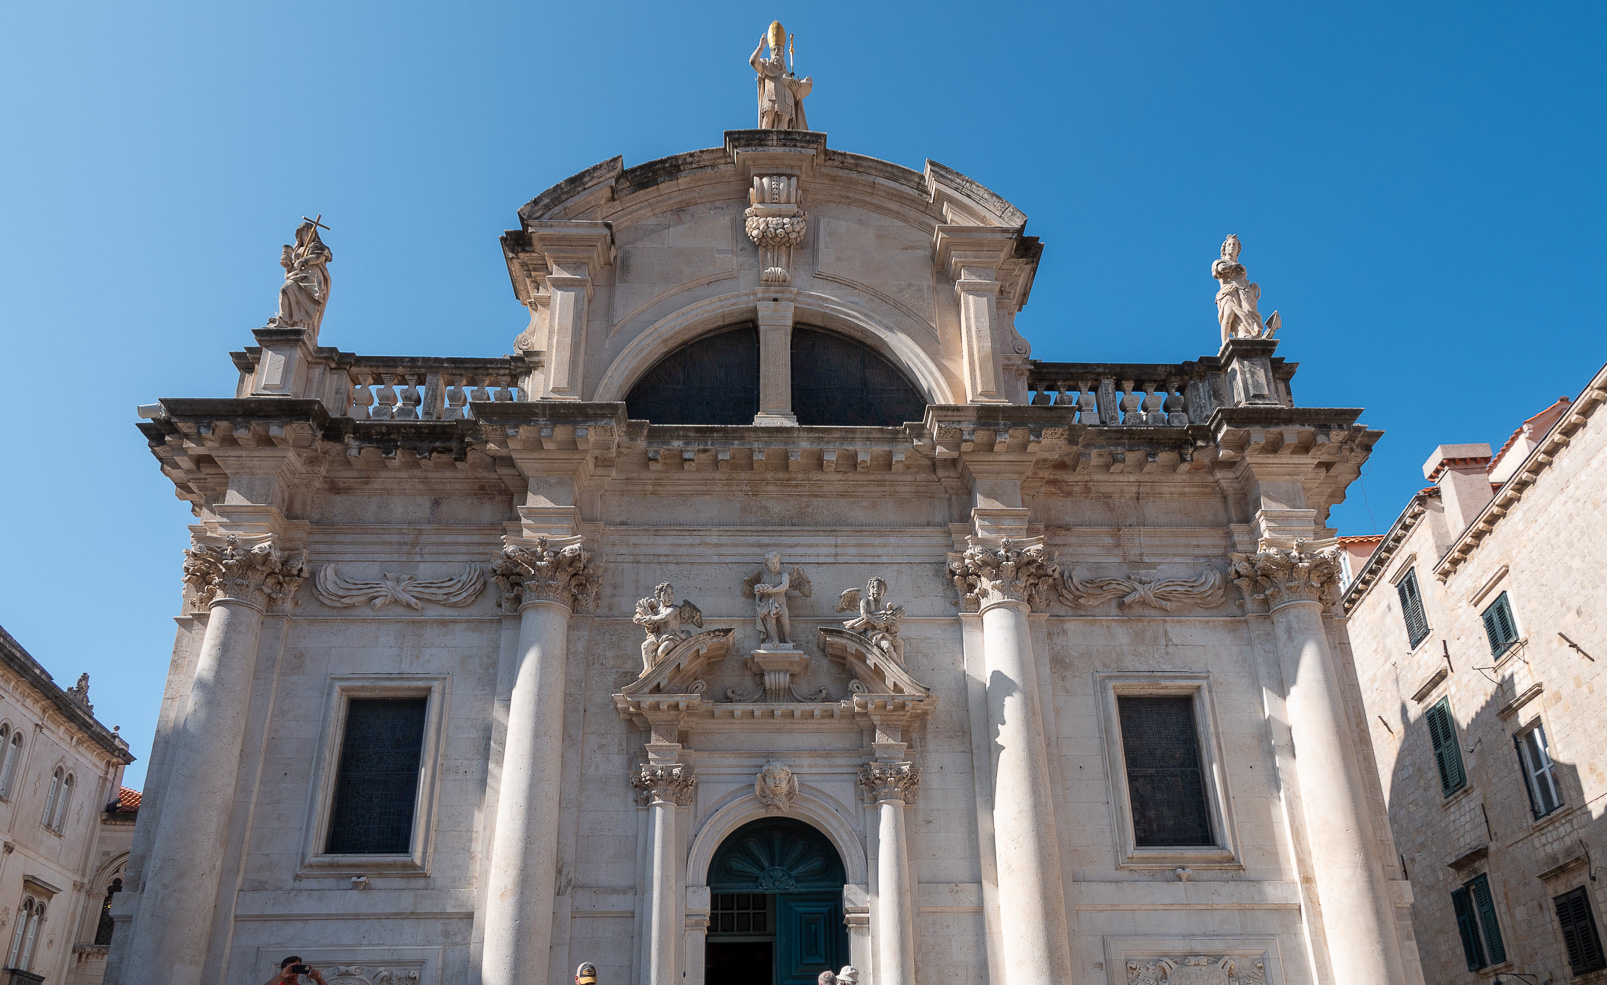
(810, 936)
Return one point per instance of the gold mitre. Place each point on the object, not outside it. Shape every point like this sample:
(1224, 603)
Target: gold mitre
(777, 36)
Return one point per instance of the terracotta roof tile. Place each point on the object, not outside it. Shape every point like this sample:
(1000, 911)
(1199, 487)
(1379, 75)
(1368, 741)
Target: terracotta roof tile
(127, 802)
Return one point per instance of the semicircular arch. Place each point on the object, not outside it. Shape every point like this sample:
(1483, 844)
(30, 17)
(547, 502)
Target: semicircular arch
(810, 806)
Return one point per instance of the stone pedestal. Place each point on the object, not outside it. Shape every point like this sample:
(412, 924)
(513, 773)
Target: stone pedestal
(1247, 365)
(775, 668)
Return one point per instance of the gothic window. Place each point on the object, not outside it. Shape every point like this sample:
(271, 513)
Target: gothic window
(376, 784)
(30, 914)
(1539, 772)
(1580, 938)
(1412, 608)
(48, 818)
(1499, 626)
(8, 756)
(837, 381)
(104, 927)
(62, 801)
(1165, 777)
(1447, 750)
(13, 756)
(714, 380)
(1475, 921)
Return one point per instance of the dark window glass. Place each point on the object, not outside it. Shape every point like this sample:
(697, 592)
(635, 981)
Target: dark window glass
(746, 914)
(837, 381)
(1499, 625)
(1579, 936)
(714, 380)
(103, 929)
(377, 782)
(1412, 608)
(1467, 927)
(1447, 753)
(1165, 780)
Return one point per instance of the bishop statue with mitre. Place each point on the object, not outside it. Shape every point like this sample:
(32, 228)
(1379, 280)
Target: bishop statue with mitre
(781, 93)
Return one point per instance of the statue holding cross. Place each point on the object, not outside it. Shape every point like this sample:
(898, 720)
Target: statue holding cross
(305, 291)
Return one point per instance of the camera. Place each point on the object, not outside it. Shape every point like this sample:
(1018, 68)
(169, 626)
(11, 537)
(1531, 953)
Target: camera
(300, 969)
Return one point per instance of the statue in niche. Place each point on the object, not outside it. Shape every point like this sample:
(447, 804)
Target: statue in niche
(781, 93)
(769, 587)
(1236, 299)
(662, 618)
(877, 620)
(305, 292)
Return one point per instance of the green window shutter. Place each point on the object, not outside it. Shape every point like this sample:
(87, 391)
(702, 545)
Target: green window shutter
(1499, 626)
(1480, 889)
(1447, 753)
(1412, 608)
(1579, 935)
(1465, 926)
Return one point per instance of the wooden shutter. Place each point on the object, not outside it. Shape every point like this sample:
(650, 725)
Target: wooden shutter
(1466, 927)
(1480, 888)
(1528, 775)
(1499, 626)
(1412, 608)
(1447, 754)
(1579, 934)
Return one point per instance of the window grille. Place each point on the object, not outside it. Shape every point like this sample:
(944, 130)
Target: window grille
(1499, 625)
(1539, 772)
(376, 785)
(1165, 777)
(1412, 609)
(1580, 939)
(741, 914)
(1447, 753)
(1476, 922)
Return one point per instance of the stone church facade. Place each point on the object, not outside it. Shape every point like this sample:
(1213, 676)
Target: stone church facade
(770, 611)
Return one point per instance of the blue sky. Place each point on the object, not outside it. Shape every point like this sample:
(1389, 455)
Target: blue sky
(1418, 188)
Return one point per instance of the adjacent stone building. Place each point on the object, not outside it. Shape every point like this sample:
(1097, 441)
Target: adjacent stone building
(1478, 633)
(769, 611)
(61, 857)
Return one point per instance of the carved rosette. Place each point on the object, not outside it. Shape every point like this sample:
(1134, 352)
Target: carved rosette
(890, 781)
(984, 576)
(567, 574)
(668, 783)
(1279, 576)
(260, 576)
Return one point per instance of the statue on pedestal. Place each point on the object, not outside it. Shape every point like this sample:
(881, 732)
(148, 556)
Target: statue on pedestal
(781, 93)
(768, 587)
(305, 292)
(1236, 299)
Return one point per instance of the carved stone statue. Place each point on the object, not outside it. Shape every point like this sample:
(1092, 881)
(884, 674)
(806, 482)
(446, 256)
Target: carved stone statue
(305, 292)
(775, 786)
(1236, 299)
(662, 618)
(769, 587)
(80, 691)
(877, 621)
(848, 976)
(781, 93)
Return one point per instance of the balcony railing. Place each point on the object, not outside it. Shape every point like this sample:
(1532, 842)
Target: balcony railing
(423, 389)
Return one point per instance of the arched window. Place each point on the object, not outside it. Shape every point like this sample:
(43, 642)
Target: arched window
(29, 915)
(713, 380)
(837, 381)
(103, 929)
(62, 802)
(48, 818)
(5, 759)
(8, 770)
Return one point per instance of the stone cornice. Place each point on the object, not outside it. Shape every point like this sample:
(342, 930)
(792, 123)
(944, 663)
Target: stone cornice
(33, 675)
(1373, 569)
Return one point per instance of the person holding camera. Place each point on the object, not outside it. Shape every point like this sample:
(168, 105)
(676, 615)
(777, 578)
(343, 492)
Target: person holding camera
(290, 971)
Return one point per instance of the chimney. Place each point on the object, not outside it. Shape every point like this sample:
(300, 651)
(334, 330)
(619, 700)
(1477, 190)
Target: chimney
(1462, 473)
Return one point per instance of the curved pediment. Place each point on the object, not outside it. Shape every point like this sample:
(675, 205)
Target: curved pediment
(874, 672)
(681, 670)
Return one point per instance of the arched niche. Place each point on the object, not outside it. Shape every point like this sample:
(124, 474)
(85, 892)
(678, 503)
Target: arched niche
(836, 381)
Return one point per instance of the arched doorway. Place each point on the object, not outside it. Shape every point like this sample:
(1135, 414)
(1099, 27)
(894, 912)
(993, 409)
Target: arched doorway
(776, 906)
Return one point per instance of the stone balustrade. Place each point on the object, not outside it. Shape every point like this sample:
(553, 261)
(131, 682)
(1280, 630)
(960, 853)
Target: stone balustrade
(1140, 394)
(383, 389)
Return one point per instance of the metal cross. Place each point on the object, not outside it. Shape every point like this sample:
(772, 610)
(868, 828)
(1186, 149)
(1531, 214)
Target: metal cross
(315, 222)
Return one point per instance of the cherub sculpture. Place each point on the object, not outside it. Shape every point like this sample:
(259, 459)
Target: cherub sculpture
(769, 587)
(662, 618)
(877, 621)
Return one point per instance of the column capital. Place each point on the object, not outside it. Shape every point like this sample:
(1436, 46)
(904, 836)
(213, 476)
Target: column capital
(986, 575)
(259, 576)
(555, 569)
(1306, 571)
(890, 781)
(666, 783)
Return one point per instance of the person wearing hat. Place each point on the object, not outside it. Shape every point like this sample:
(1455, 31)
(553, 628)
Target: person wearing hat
(586, 974)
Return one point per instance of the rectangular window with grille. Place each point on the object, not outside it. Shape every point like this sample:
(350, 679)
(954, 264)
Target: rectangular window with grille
(1447, 751)
(1476, 922)
(742, 915)
(1499, 626)
(1539, 773)
(1412, 608)
(1165, 776)
(376, 785)
(1580, 938)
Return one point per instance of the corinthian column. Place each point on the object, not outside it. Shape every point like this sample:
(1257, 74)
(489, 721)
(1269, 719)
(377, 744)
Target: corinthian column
(546, 584)
(1006, 583)
(666, 787)
(179, 884)
(1296, 586)
(892, 785)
